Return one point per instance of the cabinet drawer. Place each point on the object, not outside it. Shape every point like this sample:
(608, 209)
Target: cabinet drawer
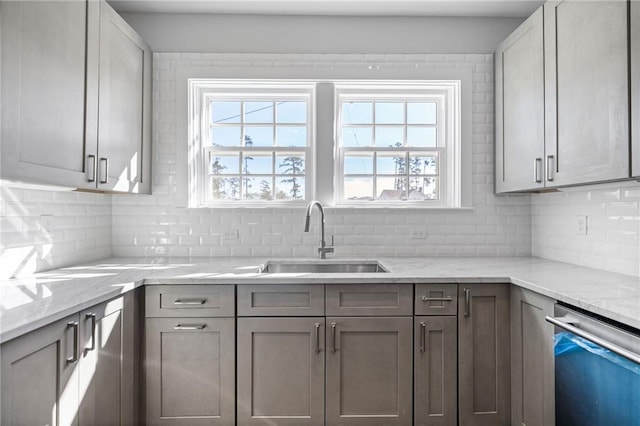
(369, 299)
(189, 301)
(436, 299)
(280, 300)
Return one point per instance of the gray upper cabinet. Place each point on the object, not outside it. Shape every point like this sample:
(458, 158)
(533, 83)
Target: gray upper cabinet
(519, 73)
(78, 80)
(124, 135)
(43, 91)
(635, 87)
(532, 359)
(280, 371)
(587, 92)
(483, 355)
(369, 371)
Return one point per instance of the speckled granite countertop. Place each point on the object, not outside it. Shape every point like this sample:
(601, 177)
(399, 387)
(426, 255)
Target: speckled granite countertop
(30, 303)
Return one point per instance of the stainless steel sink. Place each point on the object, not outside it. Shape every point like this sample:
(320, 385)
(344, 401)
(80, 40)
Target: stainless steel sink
(322, 267)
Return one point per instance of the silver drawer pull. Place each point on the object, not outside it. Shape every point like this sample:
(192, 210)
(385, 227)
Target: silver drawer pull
(189, 326)
(437, 299)
(189, 301)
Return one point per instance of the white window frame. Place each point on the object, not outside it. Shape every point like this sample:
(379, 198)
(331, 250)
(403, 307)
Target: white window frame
(202, 92)
(446, 94)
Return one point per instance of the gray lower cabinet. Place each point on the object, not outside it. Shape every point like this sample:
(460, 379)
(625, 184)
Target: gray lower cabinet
(39, 384)
(77, 371)
(108, 363)
(190, 371)
(532, 359)
(435, 371)
(281, 371)
(483, 355)
(369, 372)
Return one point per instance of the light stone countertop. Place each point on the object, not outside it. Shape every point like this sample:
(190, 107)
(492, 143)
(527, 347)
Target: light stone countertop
(29, 303)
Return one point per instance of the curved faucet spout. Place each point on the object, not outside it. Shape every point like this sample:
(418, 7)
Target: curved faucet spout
(323, 249)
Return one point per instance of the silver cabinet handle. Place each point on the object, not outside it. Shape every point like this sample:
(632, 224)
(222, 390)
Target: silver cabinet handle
(423, 335)
(317, 331)
(92, 317)
(437, 299)
(537, 163)
(105, 170)
(74, 356)
(189, 326)
(550, 168)
(91, 168)
(189, 301)
(595, 339)
(467, 303)
(333, 337)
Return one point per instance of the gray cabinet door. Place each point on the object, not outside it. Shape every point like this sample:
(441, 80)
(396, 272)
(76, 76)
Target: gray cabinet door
(124, 106)
(43, 91)
(483, 355)
(369, 299)
(587, 91)
(635, 87)
(107, 370)
(281, 371)
(39, 384)
(190, 371)
(532, 359)
(435, 371)
(519, 69)
(369, 371)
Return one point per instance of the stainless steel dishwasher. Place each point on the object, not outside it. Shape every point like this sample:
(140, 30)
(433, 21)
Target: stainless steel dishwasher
(597, 370)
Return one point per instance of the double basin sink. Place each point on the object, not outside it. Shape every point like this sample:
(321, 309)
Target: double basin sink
(321, 266)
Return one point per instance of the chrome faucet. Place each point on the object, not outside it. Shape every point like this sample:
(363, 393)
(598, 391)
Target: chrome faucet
(323, 249)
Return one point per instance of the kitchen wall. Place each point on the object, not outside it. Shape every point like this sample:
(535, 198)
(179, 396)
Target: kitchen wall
(42, 229)
(613, 227)
(144, 226)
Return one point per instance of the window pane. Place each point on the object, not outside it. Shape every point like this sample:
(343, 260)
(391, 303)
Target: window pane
(251, 188)
(357, 113)
(358, 164)
(357, 136)
(421, 112)
(291, 136)
(225, 112)
(389, 136)
(258, 112)
(225, 136)
(423, 164)
(225, 188)
(389, 113)
(290, 188)
(222, 164)
(391, 188)
(423, 188)
(258, 136)
(264, 188)
(290, 164)
(421, 136)
(253, 163)
(358, 188)
(391, 163)
(291, 112)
